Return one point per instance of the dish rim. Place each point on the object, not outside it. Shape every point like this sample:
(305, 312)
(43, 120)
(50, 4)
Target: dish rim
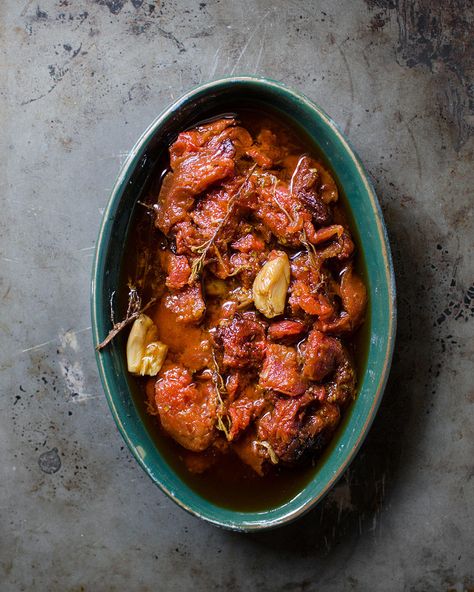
(104, 236)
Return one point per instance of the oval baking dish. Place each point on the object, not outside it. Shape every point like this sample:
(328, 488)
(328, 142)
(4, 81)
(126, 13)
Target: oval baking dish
(204, 102)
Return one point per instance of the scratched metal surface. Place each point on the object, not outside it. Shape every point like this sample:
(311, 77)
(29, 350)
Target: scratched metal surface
(80, 81)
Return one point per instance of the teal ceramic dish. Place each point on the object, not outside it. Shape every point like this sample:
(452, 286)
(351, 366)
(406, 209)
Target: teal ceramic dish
(207, 100)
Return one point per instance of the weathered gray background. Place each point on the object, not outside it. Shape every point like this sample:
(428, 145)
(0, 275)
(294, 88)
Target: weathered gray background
(79, 83)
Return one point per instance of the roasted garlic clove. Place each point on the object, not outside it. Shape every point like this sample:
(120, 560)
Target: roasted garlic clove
(145, 354)
(271, 285)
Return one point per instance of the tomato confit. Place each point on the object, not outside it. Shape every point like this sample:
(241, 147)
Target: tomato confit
(247, 269)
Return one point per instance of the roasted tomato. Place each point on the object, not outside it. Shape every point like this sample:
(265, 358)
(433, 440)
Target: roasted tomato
(187, 409)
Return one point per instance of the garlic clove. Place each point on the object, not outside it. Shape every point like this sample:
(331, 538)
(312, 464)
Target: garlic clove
(270, 287)
(152, 361)
(145, 353)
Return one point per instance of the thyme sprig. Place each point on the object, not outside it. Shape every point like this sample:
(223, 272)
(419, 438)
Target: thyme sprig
(310, 248)
(134, 310)
(271, 453)
(223, 419)
(203, 249)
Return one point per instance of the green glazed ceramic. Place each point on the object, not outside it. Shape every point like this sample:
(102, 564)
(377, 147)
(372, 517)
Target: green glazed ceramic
(203, 102)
